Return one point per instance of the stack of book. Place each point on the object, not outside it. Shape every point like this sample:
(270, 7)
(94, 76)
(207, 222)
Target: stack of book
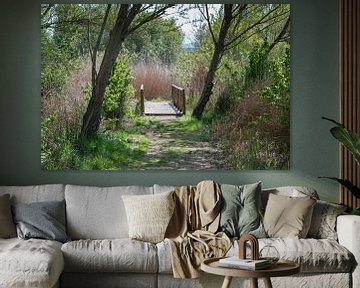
(248, 264)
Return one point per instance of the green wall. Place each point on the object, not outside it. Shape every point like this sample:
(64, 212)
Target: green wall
(314, 87)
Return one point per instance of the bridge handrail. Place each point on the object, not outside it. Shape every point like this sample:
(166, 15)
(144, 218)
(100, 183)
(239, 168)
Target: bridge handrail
(178, 97)
(142, 100)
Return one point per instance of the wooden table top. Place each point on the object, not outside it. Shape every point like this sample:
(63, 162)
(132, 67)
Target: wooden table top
(281, 268)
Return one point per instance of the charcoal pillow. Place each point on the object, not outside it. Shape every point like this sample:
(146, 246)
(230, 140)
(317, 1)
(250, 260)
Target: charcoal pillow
(240, 213)
(43, 220)
(323, 222)
(7, 226)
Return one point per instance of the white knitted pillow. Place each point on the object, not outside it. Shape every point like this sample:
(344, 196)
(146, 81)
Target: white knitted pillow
(149, 215)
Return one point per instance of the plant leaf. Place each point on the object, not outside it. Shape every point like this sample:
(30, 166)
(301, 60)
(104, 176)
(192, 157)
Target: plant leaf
(347, 184)
(333, 121)
(349, 139)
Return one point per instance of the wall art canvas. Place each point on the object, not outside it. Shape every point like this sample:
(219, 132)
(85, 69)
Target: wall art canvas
(165, 86)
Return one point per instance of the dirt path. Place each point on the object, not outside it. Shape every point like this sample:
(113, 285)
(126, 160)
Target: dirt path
(174, 145)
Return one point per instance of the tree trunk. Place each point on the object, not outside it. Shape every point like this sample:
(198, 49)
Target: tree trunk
(225, 41)
(125, 17)
(215, 61)
(208, 85)
(92, 117)
(94, 51)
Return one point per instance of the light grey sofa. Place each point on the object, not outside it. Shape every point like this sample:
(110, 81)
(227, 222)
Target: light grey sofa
(101, 254)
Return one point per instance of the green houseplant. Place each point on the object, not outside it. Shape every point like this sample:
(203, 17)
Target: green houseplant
(351, 141)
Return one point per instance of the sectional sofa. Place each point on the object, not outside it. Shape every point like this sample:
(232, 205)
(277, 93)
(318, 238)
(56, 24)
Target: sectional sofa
(100, 253)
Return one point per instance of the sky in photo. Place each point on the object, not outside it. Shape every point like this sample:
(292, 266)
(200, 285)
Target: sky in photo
(191, 20)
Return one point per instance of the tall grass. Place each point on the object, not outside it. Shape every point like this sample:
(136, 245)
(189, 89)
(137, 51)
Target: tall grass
(251, 135)
(156, 78)
(61, 120)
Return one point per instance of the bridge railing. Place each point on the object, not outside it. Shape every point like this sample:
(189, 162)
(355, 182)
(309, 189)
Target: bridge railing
(142, 100)
(178, 97)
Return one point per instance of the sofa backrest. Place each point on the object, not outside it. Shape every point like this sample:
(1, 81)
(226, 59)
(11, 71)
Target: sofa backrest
(162, 188)
(35, 193)
(98, 212)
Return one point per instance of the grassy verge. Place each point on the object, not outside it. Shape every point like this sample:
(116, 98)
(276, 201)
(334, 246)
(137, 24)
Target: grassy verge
(145, 143)
(113, 150)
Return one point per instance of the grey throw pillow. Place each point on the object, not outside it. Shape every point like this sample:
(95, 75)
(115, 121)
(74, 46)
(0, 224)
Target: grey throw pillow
(44, 220)
(240, 213)
(7, 226)
(323, 222)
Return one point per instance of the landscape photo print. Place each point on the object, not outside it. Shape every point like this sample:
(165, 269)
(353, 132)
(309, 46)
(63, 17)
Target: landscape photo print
(165, 86)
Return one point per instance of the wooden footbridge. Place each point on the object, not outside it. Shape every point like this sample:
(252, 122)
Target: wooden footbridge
(176, 107)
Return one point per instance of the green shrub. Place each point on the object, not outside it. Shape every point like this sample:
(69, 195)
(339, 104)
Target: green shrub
(278, 93)
(55, 67)
(258, 64)
(119, 90)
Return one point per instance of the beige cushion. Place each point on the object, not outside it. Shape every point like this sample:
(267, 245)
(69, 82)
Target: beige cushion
(287, 216)
(32, 263)
(149, 215)
(7, 226)
(110, 255)
(293, 191)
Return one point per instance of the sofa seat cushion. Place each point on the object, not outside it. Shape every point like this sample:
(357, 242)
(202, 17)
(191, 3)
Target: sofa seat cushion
(108, 280)
(313, 255)
(115, 255)
(164, 257)
(30, 263)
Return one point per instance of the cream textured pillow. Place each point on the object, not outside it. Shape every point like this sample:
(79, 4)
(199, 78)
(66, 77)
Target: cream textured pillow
(7, 226)
(149, 215)
(323, 222)
(288, 217)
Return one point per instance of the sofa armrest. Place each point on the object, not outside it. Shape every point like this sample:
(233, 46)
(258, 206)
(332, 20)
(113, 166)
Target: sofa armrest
(348, 230)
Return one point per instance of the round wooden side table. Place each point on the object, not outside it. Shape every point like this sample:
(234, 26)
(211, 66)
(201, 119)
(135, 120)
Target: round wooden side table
(281, 268)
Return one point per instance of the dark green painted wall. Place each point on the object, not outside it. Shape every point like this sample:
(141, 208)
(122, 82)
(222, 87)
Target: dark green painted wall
(314, 87)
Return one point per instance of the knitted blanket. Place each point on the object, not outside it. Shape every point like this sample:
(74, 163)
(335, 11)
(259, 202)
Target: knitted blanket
(191, 232)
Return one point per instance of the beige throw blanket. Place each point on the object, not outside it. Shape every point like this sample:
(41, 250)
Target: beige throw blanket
(191, 231)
